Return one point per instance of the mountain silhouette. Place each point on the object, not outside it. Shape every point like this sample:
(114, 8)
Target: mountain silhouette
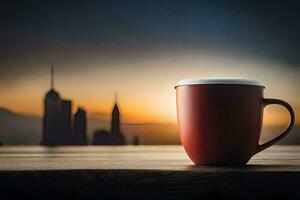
(18, 129)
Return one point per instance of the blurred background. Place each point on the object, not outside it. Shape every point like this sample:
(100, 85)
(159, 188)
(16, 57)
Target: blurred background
(120, 60)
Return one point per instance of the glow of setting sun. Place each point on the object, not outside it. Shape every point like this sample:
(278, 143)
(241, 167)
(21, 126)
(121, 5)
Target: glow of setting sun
(146, 89)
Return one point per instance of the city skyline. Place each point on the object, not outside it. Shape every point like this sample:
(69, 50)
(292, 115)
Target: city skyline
(61, 127)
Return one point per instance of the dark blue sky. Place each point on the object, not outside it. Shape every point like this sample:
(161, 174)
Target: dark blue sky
(70, 30)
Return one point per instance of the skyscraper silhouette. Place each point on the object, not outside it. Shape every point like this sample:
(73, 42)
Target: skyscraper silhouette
(66, 137)
(79, 130)
(114, 137)
(52, 127)
(115, 119)
(57, 127)
(117, 137)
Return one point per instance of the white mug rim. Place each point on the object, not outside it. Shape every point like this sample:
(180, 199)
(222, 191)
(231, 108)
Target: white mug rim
(219, 80)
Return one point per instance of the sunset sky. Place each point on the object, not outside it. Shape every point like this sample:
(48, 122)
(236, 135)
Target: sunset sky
(141, 49)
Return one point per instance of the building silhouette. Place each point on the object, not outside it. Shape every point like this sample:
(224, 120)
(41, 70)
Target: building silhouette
(114, 137)
(117, 137)
(115, 120)
(57, 120)
(102, 137)
(79, 130)
(136, 140)
(52, 127)
(66, 122)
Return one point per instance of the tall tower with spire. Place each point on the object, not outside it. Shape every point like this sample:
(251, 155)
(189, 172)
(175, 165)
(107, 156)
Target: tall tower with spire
(52, 77)
(52, 114)
(57, 122)
(115, 118)
(117, 137)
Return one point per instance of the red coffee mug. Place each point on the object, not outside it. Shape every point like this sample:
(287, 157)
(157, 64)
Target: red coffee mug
(220, 120)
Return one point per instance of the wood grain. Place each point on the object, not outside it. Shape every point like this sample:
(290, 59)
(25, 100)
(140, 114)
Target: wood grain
(144, 172)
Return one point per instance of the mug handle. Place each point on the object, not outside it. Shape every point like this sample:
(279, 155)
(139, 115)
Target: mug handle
(267, 102)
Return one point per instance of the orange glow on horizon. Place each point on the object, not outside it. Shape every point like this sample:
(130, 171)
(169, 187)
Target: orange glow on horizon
(146, 89)
(273, 115)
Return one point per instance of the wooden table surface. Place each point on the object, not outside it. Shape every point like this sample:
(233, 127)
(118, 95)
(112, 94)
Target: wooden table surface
(167, 158)
(145, 171)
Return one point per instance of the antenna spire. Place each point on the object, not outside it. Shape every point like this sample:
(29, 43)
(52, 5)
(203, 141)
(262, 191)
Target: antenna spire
(116, 97)
(52, 76)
